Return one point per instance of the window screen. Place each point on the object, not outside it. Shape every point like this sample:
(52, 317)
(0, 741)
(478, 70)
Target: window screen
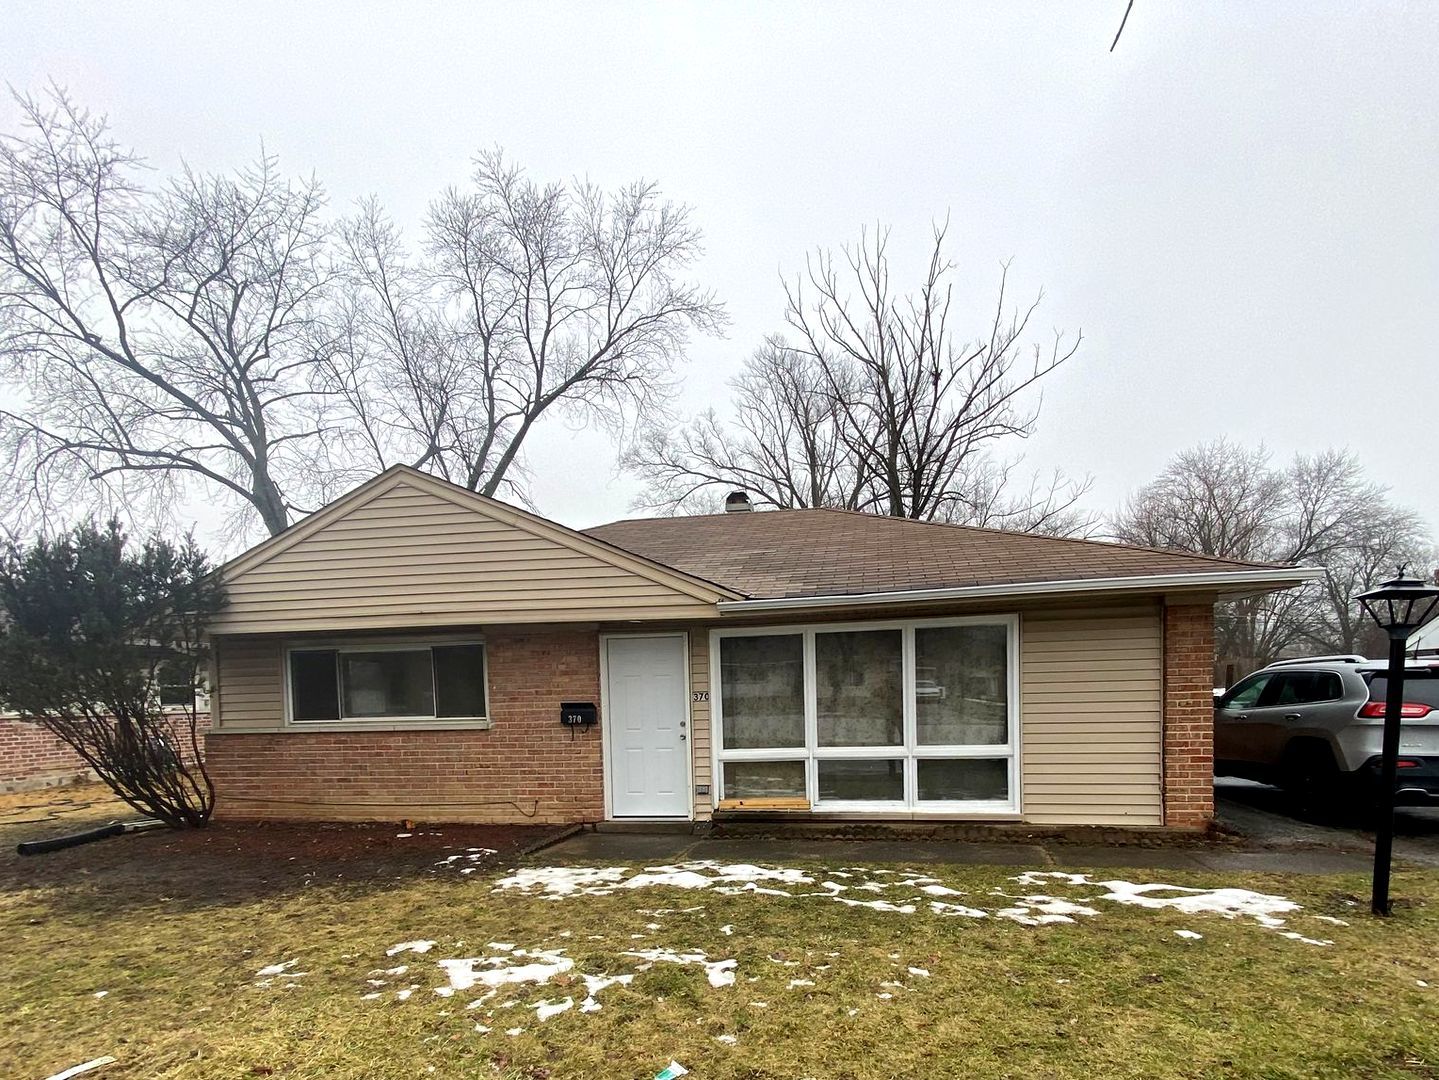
(859, 699)
(762, 687)
(389, 683)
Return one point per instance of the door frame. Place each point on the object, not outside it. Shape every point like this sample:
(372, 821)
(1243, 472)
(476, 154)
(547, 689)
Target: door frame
(605, 742)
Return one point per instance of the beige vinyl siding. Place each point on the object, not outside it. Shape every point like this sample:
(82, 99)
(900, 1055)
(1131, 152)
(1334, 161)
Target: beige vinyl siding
(410, 556)
(250, 683)
(700, 737)
(1091, 717)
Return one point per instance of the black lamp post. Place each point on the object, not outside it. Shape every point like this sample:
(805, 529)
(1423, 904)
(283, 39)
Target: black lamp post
(1399, 607)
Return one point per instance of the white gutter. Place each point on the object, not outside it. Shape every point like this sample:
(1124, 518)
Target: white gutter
(1276, 578)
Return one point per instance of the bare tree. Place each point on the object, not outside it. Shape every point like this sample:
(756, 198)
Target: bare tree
(1348, 525)
(877, 404)
(159, 342)
(527, 299)
(788, 450)
(1227, 500)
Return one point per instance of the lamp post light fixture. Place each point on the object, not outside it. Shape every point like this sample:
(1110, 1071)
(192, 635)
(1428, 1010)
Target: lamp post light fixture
(1399, 607)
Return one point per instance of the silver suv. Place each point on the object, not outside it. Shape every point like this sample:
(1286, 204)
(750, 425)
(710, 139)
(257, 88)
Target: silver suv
(1316, 724)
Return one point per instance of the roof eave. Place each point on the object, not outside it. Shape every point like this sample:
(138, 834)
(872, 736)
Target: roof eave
(1242, 582)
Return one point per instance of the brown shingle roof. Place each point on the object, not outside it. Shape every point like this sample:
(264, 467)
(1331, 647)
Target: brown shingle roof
(788, 553)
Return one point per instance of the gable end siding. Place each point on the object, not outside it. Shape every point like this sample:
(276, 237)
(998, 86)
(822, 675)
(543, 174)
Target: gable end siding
(409, 557)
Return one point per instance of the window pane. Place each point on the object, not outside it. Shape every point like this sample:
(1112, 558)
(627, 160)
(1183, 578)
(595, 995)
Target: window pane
(763, 779)
(1248, 693)
(1422, 690)
(855, 780)
(858, 673)
(177, 694)
(961, 685)
(963, 779)
(762, 691)
(313, 693)
(459, 680)
(1307, 687)
(389, 683)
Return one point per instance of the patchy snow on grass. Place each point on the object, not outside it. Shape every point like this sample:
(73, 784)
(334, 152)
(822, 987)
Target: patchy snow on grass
(494, 971)
(1188, 935)
(546, 1009)
(410, 946)
(941, 907)
(559, 881)
(719, 972)
(1266, 910)
(272, 970)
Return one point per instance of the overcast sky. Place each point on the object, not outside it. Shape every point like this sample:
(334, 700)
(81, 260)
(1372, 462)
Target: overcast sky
(1238, 206)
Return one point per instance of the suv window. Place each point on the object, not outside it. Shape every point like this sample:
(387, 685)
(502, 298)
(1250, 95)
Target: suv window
(1421, 689)
(1247, 692)
(1306, 688)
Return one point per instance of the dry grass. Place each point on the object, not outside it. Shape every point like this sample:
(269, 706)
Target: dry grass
(1116, 995)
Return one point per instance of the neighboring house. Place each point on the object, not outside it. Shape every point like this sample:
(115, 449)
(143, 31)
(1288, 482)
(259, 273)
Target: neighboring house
(31, 757)
(414, 650)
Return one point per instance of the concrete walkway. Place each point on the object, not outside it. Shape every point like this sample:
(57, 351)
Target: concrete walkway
(653, 848)
(1278, 838)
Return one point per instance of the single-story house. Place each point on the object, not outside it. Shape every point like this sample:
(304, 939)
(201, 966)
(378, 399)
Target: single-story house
(415, 650)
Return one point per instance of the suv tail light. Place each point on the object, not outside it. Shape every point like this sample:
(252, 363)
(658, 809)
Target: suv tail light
(1410, 710)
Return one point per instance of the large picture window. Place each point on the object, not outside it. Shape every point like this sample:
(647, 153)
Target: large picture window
(440, 682)
(917, 715)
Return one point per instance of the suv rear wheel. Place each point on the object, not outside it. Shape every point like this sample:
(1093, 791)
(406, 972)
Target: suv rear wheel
(1308, 772)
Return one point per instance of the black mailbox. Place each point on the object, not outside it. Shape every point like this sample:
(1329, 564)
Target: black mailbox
(579, 713)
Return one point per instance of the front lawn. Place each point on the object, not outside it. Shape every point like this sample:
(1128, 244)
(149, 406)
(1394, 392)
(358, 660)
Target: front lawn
(367, 954)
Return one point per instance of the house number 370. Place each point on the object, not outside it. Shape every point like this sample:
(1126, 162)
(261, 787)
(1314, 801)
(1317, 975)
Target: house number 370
(700, 695)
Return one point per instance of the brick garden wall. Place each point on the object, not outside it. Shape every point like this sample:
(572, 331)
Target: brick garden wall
(31, 757)
(526, 768)
(1188, 715)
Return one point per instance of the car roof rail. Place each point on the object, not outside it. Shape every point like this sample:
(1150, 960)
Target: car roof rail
(1338, 658)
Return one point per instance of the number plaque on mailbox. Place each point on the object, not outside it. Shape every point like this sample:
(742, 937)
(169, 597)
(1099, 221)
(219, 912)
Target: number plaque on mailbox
(579, 713)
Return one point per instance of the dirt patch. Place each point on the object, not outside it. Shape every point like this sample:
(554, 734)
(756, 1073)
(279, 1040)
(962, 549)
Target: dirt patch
(227, 862)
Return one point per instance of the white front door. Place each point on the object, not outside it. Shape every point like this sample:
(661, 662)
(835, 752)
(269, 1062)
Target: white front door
(647, 724)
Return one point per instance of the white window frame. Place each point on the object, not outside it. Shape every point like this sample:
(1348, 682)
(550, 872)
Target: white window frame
(381, 723)
(908, 750)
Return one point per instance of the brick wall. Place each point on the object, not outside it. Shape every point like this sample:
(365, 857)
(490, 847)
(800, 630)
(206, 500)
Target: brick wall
(1188, 715)
(31, 757)
(526, 768)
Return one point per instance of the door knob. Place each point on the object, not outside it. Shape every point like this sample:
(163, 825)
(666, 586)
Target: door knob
(1293, 716)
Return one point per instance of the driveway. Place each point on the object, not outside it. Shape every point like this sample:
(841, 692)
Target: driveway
(1268, 818)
